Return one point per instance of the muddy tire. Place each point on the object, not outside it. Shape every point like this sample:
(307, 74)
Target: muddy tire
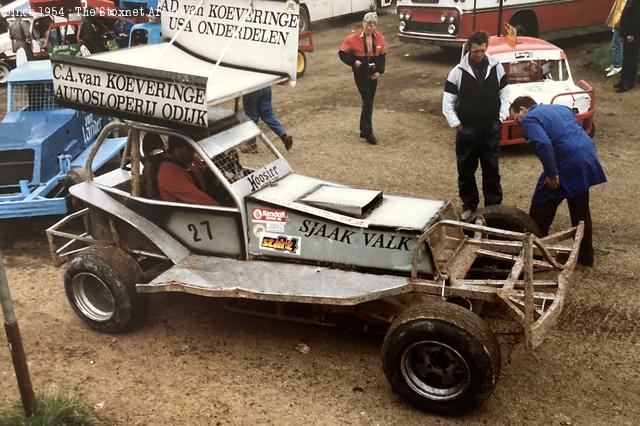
(441, 358)
(100, 286)
(75, 176)
(508, 218)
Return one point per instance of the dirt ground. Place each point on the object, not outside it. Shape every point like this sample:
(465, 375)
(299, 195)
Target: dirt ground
(196, 364)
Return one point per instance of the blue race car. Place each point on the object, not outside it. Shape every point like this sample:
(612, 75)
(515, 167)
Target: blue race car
(43, 147)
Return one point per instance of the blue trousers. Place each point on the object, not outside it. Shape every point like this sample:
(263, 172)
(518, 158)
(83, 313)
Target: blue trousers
(473, 146)
(257, 105)
(616, 48)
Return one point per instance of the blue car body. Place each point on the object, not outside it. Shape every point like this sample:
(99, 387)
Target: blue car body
(41, 142)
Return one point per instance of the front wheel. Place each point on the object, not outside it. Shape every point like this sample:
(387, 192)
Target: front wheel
(100, 285)
(441, 358)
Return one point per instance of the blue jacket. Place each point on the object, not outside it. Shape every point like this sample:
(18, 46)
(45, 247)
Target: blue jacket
(564, 149)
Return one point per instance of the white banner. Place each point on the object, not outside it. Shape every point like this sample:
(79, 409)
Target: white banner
(255, 34)
(130, 92)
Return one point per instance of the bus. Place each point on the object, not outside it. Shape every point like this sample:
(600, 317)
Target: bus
(317, 10)
(448, 23)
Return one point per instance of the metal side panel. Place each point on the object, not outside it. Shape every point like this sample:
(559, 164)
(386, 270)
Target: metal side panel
(97, 198)
(274, 281)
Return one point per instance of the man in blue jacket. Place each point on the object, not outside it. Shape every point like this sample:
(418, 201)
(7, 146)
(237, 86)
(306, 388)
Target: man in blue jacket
(570, 163)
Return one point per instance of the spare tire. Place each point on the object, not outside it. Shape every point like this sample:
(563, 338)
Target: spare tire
(509, 218)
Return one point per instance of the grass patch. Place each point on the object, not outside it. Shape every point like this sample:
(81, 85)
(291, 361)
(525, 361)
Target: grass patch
(601, 58)
(54, 409)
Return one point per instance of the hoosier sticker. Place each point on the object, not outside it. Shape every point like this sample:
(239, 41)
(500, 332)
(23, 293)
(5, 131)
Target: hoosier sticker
(280, 243)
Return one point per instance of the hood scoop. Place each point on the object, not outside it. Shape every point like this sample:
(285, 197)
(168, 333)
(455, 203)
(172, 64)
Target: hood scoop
(349, 201)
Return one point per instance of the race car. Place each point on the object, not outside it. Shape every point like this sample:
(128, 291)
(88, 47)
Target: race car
(540, 69)
(43, 146)
(285, 245)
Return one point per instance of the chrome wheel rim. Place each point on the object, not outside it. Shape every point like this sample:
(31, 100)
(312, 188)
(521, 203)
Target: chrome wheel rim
(435, 370)
(93, 297)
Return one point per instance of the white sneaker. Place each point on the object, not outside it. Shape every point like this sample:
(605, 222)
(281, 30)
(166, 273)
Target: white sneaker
(466, 215)
(609, 68)
(613, 71)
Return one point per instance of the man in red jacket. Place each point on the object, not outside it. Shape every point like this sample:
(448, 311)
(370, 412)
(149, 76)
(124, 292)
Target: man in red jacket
(365, 51)
(180, 175)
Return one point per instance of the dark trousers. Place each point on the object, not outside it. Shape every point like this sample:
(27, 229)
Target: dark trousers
(544, 213)
(629, 62)
(367, 89)
(483, 146)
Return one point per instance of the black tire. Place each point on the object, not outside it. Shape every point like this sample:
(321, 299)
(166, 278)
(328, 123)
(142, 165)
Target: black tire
(305, 22)
(4, 72)
(441, 358)
(508, 218)
(75, 176)
(301, 66)
(100, 286)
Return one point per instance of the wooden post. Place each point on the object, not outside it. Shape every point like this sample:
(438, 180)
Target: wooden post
(15, 346)
(528, 289)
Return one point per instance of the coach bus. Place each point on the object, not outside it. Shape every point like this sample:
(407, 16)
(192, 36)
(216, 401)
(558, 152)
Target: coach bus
(317, 10)
(449, 23)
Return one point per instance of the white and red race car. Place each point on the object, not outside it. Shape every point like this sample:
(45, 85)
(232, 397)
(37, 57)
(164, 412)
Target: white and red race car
(540, 69)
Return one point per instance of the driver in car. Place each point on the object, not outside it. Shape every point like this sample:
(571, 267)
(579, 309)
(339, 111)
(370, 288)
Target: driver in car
(181, 175)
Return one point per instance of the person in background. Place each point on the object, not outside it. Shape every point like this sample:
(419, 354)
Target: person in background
(630, 32)
(20, 35)
(365, 52)
(570, 166)
(613, 22)
(121, 31)
(474, 102)
(91, 36)
(257, 105)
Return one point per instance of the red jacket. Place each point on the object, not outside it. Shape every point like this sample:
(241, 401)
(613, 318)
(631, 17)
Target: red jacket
(354, 47)
(179, 184)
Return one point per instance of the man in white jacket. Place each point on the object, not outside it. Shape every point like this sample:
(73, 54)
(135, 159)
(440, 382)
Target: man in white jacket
(475, 101)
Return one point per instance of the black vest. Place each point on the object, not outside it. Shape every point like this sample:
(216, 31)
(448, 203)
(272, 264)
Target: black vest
(479, 100)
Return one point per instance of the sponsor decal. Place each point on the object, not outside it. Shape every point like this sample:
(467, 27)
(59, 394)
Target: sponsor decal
(263, 177)
(275, 226)
(269, 215)
(258, 230)
(91, 128)
(280, 243)
(311, 228)
(123, 93)
(524, 55)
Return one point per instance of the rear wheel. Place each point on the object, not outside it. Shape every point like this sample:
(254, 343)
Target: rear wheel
(100, 285)
(441, 358)
(508, 218)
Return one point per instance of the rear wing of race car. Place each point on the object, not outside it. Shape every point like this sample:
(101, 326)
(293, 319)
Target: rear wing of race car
(216, 53)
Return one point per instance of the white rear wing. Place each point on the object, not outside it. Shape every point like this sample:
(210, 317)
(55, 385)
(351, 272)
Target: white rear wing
(219, 50)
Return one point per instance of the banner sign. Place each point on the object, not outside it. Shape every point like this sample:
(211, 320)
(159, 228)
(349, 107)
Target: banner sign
(259, 35)
(130, 92)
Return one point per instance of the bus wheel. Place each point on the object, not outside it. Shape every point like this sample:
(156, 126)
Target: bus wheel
(305, 21)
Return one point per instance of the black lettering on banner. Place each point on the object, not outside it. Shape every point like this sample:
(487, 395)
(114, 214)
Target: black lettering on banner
(206, 227)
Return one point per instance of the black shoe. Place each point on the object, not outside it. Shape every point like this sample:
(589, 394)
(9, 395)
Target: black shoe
(585, 260)
(371, 139)
(621, 89)
(287, 140)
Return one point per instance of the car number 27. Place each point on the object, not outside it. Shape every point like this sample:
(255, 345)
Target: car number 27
(200, 231)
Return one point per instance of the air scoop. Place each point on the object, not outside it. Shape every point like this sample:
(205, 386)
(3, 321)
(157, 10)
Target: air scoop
(350, 201)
